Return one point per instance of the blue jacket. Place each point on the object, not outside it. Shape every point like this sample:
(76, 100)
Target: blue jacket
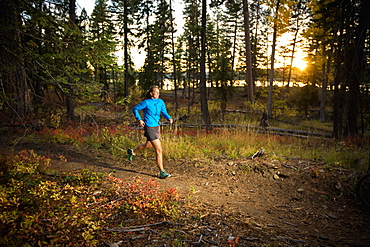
(152, 109)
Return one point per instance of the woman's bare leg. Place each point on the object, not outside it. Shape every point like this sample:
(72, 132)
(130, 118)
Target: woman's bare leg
(141, 147)
(158, 149)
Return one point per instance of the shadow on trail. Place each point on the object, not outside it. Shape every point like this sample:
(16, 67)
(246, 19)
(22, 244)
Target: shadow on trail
(84, 159)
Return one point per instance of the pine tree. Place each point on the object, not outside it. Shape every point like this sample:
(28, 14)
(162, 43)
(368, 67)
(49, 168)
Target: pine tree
(203, 83)
(15, 95)
(340, 35)
(125, 13)
(102, 45)
(146, 9)
(300, 14)
(191, 37)
(280, 20)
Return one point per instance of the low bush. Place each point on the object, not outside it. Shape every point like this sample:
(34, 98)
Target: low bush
(72, 209)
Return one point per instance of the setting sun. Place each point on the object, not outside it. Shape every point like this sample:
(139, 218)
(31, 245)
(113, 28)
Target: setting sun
(285, 42)
(299, 59)
(299, 63)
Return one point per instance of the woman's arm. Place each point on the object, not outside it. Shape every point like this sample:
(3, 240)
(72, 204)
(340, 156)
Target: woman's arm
(164, 112)
(139, 107)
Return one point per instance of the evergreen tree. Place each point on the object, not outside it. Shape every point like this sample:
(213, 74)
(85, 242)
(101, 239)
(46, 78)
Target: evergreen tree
(146, 10)
(15, 97)
(249, 75)
(174, 64)
(102, 45)
(344, 27)
(203, 83)
(300, 15)
(125, 13)
(260, 26)
(234, 24)
(192, 34)
(279, 20)
(220, 46)
(50, 37)
(161, 42)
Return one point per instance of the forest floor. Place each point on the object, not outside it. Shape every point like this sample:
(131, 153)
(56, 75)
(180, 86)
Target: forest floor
(239, 202)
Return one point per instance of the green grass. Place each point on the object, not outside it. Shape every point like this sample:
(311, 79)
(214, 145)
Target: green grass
(242, 144)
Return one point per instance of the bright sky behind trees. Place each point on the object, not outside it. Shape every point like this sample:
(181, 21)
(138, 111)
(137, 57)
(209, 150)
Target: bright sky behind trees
(139, 57)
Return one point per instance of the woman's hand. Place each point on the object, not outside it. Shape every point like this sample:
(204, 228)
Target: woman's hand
(141, 123)
(170, 120)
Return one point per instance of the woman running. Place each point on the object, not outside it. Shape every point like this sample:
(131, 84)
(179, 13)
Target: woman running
(152, 108)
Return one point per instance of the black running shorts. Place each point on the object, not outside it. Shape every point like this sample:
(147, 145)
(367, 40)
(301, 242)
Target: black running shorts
(151, 133)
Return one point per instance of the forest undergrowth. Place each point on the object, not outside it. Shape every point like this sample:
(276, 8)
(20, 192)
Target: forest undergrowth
(41, 206)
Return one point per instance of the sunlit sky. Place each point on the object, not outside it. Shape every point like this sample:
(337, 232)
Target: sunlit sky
(299, 54)
(139, 57)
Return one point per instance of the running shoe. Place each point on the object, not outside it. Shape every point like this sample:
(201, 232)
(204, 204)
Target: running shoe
(163, 174)
(130, 154)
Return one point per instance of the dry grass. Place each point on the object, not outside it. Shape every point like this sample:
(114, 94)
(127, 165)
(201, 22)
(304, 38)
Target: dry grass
(233, 144)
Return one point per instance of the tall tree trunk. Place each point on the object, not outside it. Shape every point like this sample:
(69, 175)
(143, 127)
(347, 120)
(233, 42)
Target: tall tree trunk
(125, 50)
(299, 4)
(338, 95)
(203, 86)
(14, 85)
(357, 65)
(70, 100)
(187, 81)
(150, 68)
(325, 79)
(174, 59)
(325, 72)
(104, 81)
(210, 75)
(338, 73)
(235, 37)
(293, 53)
(248, 50)
(269, 107)
(70, 95)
